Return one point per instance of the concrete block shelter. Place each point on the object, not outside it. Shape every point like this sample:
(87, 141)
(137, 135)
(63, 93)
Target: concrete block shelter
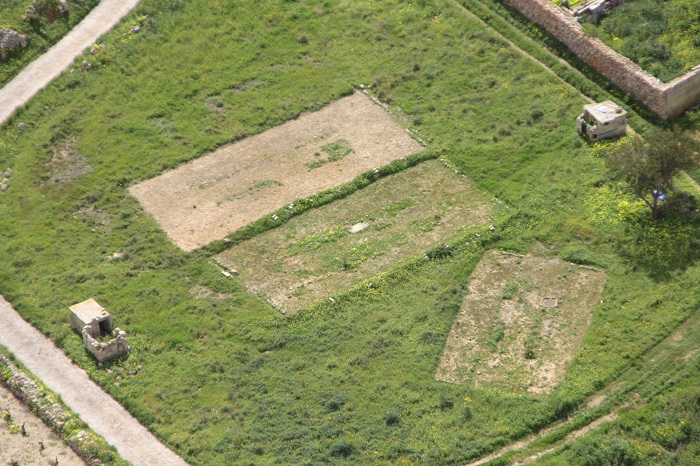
(88, 313)
(604, 120)
(93, 321)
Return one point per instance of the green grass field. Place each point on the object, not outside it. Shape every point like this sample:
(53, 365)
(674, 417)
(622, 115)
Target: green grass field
(226, 378)
(41, 33)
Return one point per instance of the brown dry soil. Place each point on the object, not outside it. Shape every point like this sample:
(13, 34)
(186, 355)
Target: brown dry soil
(505, 338)
(331, 248)
(207, 198)
(25, 449)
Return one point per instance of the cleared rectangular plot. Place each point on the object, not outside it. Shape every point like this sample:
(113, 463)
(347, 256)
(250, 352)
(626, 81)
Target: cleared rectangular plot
(522, 321)
(336, 246)
(207, 198)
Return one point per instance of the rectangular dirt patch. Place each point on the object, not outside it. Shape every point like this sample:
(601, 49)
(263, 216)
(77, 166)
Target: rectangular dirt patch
(523, 319)
(207, 198)
(331, 248)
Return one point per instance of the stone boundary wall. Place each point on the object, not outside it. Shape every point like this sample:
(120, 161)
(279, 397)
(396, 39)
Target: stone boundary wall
(86, 445)
(666, 100)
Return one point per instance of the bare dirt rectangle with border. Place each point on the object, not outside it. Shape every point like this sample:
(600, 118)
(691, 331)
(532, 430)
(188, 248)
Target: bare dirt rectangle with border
(205, 199)
(331, 248)
(522, 321)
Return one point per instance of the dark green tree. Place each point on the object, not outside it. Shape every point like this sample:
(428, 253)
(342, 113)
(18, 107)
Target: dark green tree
(649, 165)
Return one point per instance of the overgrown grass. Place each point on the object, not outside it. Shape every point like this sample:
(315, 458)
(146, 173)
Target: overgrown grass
(226, 379)
(41, 33)
(661, 37)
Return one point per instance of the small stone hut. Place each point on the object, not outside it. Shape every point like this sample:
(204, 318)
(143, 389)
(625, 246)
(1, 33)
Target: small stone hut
(604, 120)
(93, 322)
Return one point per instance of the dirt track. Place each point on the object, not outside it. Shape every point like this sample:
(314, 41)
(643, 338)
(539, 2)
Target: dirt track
(44, 69)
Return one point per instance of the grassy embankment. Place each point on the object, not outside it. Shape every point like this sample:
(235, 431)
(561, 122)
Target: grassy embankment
(41, 33)
(226, 378)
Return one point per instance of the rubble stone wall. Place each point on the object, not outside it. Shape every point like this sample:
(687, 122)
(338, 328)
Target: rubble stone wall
(107, 350)
(666, 100)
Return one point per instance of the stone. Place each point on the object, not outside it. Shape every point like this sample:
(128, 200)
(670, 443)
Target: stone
(358, 227)
(86, 65)
(550, 302)
(21, 126)
(3, 187)
(135, 29)
(63, 7)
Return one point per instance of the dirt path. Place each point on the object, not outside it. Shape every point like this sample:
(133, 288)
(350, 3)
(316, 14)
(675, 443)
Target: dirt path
(104, 415)
(45, 68)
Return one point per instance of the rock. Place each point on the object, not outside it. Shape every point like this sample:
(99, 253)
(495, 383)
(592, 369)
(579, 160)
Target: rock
(21, 126)
(3, 187)
(139, 367)
(684, 210)
(136, 29)
(132, 372)
(63, 6)
(8, 173)
(86, 65)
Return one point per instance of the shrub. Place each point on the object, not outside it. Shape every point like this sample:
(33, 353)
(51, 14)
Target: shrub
(392, 418)
(342, 448)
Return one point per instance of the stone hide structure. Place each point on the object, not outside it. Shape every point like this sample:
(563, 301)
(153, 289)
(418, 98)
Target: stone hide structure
(666, 100)
(92, 321)
(10, 41)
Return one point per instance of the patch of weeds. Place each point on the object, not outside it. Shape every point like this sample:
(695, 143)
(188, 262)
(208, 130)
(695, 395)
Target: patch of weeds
(336, 402)
(329, 235)
(496, 334)
(257, 186)
(392, 418)
(335, 151)
(11, 426)
(509, 290)
(446, 402)
(439, 252)
(342, 448)
(396, 207)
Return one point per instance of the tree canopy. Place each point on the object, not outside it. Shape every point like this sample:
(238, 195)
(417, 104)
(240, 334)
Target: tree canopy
(648, 165)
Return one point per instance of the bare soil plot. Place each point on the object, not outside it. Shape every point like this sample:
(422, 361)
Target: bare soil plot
(25, 449)
(331, 248)
(507, 336)
(207, 198)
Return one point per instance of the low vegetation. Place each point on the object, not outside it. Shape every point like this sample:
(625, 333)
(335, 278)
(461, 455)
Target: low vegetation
(226, 378)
